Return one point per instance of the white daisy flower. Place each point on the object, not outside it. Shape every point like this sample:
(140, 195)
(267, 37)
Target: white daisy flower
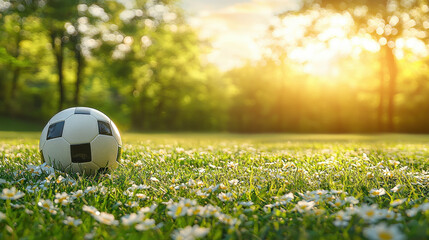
(190, 233)
(77, 194)
(342, 219)
(377, 192)
(91, 190)
(398, 188)
(351, 200)
(208, 211)
(246, 204)
(383, 232)
(150, 209)
(11, 194)
(337, 203)
(387, 214)
(224, 218)
(48, 205)
(225, 197)
(131, 219)
(188, 202)
(106, 218)
(177, 210)
(131, 204)
(72, 222)
(145, 225)
(233, 181)
(90, 209)
(141, 196)
(304, 206)
(201, 194)
(397, 202)
(369, 213)
(412, 212)
(285, 198)
(232, 164)
(62, 198)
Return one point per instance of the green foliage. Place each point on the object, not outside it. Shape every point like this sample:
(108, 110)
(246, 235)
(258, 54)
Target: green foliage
(144, 66)
(156, 85)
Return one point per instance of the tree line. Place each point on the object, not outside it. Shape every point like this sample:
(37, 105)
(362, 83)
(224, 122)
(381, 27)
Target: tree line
(139, 62)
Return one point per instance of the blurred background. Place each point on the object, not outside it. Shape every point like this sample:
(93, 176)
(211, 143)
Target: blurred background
(319, 66)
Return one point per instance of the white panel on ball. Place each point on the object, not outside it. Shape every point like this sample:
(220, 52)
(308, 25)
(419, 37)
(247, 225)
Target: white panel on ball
(115, 133)
(88, 168)
(53, 152)
(73, 168)
(113, 164)
(63, 115)
(104, 150)
(99, 115)
(80, 128)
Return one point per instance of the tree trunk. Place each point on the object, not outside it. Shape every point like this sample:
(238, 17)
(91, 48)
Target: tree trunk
(16, 73)
(17, 69)
(393, 72)
(281, 125)
(380, 110)
(79, 68)
(58, 48)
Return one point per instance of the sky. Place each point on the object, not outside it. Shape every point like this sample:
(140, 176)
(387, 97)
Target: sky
(234, 26)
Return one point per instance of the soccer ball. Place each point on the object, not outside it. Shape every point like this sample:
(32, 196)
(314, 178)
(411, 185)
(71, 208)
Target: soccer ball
(81, 140)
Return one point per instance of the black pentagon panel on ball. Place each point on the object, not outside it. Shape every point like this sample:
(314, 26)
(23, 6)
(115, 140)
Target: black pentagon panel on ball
(80, 153)
(118, 157)
(79, 110)
(104, 128)
(55, 130)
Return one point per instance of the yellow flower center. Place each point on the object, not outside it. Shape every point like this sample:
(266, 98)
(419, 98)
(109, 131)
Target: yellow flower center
(370, 213)
(385, 235)
(178, 211)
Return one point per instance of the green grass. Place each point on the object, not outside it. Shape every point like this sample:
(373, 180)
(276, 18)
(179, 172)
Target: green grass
(18, 125)
(257, 168)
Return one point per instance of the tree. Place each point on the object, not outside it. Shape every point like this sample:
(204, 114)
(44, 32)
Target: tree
(84, 31)
(13, 17)
(55, 14)
(386, 21)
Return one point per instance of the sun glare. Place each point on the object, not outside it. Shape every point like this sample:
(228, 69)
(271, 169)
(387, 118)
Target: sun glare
(318, 41)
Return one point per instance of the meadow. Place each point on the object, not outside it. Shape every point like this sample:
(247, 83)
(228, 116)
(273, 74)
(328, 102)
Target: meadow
(223, 186)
